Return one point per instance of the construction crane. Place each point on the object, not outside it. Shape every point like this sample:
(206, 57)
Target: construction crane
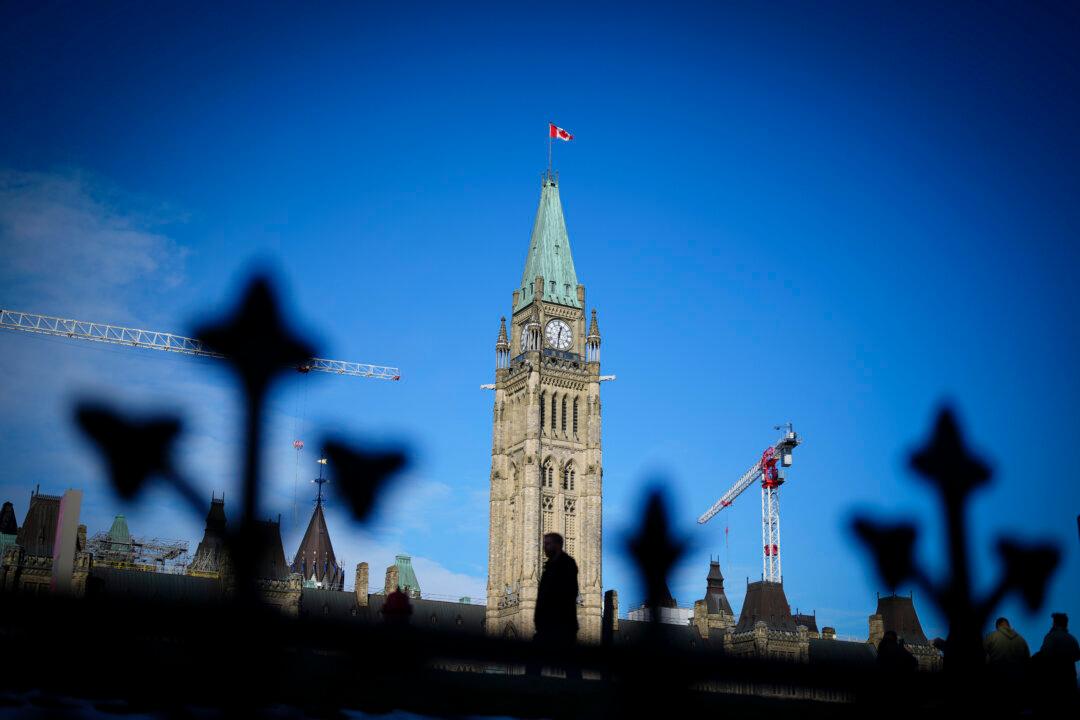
(167, 342)
(170, 342)
(765, 471)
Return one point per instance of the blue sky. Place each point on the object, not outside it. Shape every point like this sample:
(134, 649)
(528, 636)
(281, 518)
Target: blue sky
(839, 216)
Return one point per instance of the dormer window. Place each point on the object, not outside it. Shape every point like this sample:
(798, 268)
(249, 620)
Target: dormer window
(552, 287)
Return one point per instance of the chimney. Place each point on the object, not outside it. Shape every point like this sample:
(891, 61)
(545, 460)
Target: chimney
(362, 584)
(611, 616)
(828, 633)
(877, 629)
(614, 608)
(391, 584)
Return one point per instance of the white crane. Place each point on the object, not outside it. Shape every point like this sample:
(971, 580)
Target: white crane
(764, 470)
(167, 342)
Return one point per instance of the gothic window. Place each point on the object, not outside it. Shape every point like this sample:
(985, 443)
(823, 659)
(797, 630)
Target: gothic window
(562, 422)
(543, 404)
(553, 409)
(575, 416)
(568, 477)
(547, 475)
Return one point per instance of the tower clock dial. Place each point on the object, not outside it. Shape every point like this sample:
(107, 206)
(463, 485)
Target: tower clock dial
(558, 335)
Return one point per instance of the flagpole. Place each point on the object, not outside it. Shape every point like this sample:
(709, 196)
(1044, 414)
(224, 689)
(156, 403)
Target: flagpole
(549, 148)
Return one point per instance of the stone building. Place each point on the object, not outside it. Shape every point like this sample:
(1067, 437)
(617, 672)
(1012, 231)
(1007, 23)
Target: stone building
(766, 626)
(897, 613)
(210, 559)
(766, 629)
(546, 469)
(712, 614)
(49, 550)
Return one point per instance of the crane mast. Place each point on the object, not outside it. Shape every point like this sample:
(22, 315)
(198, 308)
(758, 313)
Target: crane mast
(764, 470)
(167, 342)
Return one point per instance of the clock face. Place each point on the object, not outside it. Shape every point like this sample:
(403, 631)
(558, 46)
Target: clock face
(558, 335)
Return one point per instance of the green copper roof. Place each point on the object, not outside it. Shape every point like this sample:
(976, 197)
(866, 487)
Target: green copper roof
(549, 253)
(407, 582)
(119, 533)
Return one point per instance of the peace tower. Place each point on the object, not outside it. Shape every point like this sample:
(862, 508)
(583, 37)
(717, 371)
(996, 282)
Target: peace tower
(546, 471)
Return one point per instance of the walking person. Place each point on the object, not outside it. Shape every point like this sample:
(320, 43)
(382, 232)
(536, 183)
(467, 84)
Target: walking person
(1056, 665)
(1007, 657)
(556, 603)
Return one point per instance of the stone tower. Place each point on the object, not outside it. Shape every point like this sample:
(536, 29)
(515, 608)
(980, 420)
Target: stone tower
(546, 471)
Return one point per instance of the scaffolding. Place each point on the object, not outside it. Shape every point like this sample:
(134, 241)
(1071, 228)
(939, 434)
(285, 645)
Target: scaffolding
(153, 555)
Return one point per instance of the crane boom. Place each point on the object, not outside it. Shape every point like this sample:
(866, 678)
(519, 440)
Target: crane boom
(748, 478)
(167, 342)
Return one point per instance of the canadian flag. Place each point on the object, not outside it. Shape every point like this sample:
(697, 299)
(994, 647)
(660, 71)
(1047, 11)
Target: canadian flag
(557, 132)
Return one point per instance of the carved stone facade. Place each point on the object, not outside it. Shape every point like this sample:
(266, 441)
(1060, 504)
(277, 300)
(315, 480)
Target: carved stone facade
(546, 467)
(896, 613)
(712, 614)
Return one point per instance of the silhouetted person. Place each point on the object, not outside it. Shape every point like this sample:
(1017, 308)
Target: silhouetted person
(1005, 648)
(893, 658)
(1055, 664)
(556, 602)
(1007, 655)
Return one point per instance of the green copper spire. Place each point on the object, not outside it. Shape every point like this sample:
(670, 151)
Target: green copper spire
(549, 253)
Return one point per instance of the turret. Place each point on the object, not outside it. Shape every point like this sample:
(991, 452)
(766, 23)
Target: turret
(502, 347)
(532, 333)
(592, 341)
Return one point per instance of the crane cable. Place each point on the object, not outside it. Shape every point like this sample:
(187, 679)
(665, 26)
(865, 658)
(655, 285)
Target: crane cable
(299, 418)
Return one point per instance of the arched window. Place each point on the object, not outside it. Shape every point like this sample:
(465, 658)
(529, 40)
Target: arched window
(575, 416)
(568, 476)
(553, 409)
(547, 475)
(543, 404)
(562, 422)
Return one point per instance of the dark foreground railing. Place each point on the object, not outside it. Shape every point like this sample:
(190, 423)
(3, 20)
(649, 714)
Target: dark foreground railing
(150, 657)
